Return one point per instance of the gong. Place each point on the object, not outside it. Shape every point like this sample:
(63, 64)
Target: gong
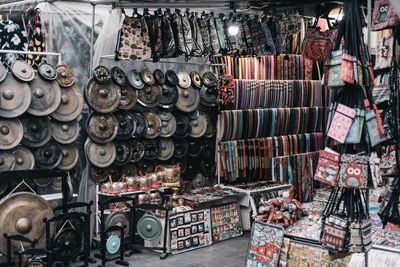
(126, 125)
(209, 79)
(7, 161)
(141, 124)
(70, 157)
(43, 182)
(37, 130)
(153, 123)
(118, 219)
(211, 129)
(208, 96)
(168, 123)
(150, 96)
(181, 148)
(199, 181)
(169, 96)
(171, 78)
(100, 155)
(47, 71)
(137, 151)
(34, 262)
(149, 227)
(194, 148)
(159, 76)
(24, 159)
(188, 100)
(48, 156)
(3, 72)
(23, 213)
(128, 98)
(135, 79)
(196, 79)
(167, 149)
(99, 175)
(199, 126)
(129, 170)
(118, 76)
(207, 167)
(45, 97)
(103, 98)
(147, 77)
(146, 166)
(151, 149)
(102, 75)
(11, 133)
(102, 128)
(67, 244)
(65, 76)
(124, 153)
(65, 132)
(15, 97)
(113, 244)
(183, 127)
(184, 80)
(22, 71)
(71, 104)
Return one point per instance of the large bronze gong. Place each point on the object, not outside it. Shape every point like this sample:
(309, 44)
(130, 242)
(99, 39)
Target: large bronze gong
(23, 213)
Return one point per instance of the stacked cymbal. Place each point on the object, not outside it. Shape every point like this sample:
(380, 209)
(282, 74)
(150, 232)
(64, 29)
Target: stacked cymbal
(143, 118)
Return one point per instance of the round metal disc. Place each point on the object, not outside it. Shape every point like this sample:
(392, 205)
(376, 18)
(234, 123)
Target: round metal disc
(159, 76)
(102, 75)
(171, 78)
(184, 80)
(49, 156)
(167, 149)
(152, 149)
(194, 148)
(199, 181)
(118, 76)
(181, 148)
(24, 159)
(102, 98)
(194, 114)
(141, 124)
(168, 123)
(207, 167)
(150, 96)
(211, 129)
(99, 175)
(147, 77)
(102, 128)
(7, 161)
(209, 79)
(149, 227)
(169, 96)
(192, 167)
(65, 76)
(15, 97)
(71, 104)
(22, 71)
(35, 263)
(37, 130)
(153, 123)
(199, 126)
(45, 97)
(100, 155)
(183, 127)
(126, 125)
(124, 153)
(207, 149)
(145, 166)
(208, 96)
(67, 244)
(118, 219)
(43, 182)
(196, 79)
(11, 133)
(135, 79)
(23, 213)
(137, 151)
(113, 244)
(128, 98)
(129, 170)
(3, 72)
(47, 71)
(188, 100)
(65, 132)
(70, 157)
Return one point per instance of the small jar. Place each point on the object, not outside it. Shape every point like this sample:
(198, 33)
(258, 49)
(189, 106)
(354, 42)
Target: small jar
(144, 183)
(132, 183)
(143, 198)
(156, 180)
(155, 198)
(121, 187)
(114, 188)
(105, 188)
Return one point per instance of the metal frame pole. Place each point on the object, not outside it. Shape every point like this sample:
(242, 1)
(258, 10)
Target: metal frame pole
(92, 40)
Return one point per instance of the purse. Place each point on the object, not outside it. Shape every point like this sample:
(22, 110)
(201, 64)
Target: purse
(388, 165)
(327, 170)
(355, 132)
(197, 49)
(154, 27)
(335, 232)
(334, 72)
(384, 15)
(318, 45)
(384, 53)
(354, 171)
(372, 128)
(205, 34)
(341, 123)
(167, 37)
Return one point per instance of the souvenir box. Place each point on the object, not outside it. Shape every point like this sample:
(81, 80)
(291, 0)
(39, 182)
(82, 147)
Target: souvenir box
(225, 221)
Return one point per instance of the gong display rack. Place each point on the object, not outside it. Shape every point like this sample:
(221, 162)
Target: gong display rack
(19, 52)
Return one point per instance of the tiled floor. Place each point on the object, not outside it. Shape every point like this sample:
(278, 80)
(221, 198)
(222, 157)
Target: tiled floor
(230, 253)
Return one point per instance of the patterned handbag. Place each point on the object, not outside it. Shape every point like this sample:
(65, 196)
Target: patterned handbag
(335, 232)
(214, 42)
(154, 26)
(197, 49)
(318, 45)
(341, 123)
(372, 128)
(384, 16)
(334, 80)
(328, 167)
(167, 37)
(348, 68)
(205, 34)
(182, 34)
(384, 53)
(354, 171)
(355, 132)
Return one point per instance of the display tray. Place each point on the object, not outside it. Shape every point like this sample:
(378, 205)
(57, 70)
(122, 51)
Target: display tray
(207, 199)
(225, 221)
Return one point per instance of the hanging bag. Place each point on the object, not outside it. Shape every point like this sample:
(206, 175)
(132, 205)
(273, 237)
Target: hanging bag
(167, 36)
(384, 53)
(154, 27)
(197, 49)
(354, 171)
(327, 170)
(384, 16)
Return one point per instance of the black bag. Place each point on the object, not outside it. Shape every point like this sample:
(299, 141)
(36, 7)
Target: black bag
(167, 36)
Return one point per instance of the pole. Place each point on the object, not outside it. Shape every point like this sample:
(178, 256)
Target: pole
(92, 40)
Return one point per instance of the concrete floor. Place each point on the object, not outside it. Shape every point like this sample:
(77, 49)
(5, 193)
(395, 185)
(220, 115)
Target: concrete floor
(229, 253)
